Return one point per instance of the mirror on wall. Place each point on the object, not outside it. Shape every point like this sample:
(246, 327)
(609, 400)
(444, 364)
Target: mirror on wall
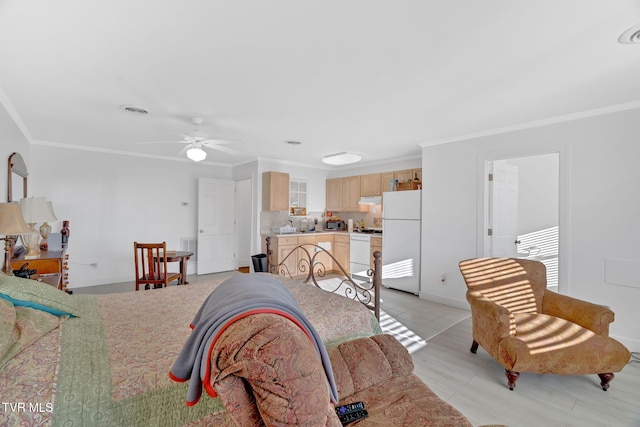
(16, 187)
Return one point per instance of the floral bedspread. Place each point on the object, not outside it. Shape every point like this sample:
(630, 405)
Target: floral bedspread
(110, 365)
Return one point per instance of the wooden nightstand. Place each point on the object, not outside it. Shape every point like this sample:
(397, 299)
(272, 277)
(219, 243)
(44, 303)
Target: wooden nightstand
(48, 263)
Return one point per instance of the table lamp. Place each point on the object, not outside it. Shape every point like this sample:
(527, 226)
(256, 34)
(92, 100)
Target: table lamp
(11, 224)
(45, 228)
(35, 210)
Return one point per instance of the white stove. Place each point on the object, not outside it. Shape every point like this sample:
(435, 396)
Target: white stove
(359, 255)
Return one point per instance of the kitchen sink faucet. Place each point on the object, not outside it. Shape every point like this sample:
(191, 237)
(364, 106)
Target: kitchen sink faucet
(305, 219)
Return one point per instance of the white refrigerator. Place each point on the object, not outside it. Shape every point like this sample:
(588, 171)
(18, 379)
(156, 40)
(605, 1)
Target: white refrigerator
(401, 232)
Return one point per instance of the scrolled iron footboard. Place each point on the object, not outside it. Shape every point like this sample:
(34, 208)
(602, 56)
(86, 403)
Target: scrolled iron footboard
(310, 269)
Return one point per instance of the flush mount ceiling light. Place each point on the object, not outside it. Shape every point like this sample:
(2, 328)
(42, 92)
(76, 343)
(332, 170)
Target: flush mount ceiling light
(196, 153)
(343, 158)
(631, 36)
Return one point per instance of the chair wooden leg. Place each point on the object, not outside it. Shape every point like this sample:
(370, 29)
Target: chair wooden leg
(474, 347)
(512, 377)
(605, 380)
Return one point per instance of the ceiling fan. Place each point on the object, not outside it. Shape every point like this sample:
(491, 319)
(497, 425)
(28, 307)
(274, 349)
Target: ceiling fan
(196, 141)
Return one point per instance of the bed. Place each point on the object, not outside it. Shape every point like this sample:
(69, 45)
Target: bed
(104, 360)
(109, 364)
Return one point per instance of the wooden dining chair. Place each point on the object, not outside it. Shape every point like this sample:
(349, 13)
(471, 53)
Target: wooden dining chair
(151, 265)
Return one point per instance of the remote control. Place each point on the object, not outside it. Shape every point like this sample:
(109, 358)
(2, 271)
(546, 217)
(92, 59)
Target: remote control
(353, 416)
(349, 408)
(351, 412)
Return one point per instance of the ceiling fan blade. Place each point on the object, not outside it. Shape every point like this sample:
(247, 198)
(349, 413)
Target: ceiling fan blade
(221, 148)
(184, 149)
(162, 142)
(218, 141)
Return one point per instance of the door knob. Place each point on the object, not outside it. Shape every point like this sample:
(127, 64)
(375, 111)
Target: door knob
(201, 230)
(517, 242)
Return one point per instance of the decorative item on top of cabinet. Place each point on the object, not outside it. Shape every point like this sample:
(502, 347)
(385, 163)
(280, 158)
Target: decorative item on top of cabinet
(386, 181)
(413, 183)
(275, 191)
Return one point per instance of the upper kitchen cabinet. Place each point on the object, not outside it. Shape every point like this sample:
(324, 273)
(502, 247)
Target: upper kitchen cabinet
(408, 174)
(334, 194)
(386, 181)
(351, 193)
(343, 194)
(275, 191)
(370, 185)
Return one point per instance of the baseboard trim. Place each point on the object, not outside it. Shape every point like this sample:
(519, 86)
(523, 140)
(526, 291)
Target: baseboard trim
(446, 301)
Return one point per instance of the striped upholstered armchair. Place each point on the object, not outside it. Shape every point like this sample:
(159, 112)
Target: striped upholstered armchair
(527, 328)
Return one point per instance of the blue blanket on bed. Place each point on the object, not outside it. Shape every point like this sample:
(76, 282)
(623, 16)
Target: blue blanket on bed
(235, 296)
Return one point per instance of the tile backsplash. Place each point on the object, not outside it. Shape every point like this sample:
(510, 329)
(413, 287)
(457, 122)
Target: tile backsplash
(269, 219)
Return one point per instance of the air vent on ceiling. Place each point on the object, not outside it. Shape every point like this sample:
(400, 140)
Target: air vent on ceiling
(631, 36)
(134, 109)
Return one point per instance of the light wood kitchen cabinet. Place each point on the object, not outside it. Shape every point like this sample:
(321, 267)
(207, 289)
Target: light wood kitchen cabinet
(370, 185)
(408, 174)
(334, 194)
(341, 250)
(343, 194)
(376, 245)
(385, 178)
(403, 175)
(324, 240)
(284, 245)
(351, 194)
(275, 191)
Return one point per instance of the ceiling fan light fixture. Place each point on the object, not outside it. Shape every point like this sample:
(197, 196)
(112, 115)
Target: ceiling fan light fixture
(631, 36)
(343, 158)
(196, 154)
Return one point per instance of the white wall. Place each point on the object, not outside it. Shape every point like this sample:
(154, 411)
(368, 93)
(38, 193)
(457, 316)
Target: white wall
(12, 141)
(601, 209)
(112, 200)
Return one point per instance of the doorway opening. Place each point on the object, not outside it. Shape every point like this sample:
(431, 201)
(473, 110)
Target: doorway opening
(244, 222)
(523, 210)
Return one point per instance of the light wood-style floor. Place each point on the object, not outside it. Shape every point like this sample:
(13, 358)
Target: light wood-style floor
(439, 337)
(476, 384)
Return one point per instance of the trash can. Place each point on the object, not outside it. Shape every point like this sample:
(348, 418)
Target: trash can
(259, 263)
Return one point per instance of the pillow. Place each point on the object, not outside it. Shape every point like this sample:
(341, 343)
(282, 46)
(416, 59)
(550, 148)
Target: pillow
(38, 295)
(7, 322)
(20, 327)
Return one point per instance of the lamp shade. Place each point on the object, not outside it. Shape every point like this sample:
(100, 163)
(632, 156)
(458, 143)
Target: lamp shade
(11, 220)
(37, 209)
(196, 154)
(50, 214)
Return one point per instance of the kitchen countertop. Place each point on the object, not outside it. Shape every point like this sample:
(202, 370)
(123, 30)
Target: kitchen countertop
(308, 233)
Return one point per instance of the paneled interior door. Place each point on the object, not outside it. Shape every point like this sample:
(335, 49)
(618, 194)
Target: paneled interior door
(216, 225)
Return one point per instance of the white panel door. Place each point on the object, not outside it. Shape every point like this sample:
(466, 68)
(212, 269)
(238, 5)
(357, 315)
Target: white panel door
(216, 225)
(504, 209)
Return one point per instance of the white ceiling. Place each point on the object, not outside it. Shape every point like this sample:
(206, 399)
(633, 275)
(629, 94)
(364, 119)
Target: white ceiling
(375, 77)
